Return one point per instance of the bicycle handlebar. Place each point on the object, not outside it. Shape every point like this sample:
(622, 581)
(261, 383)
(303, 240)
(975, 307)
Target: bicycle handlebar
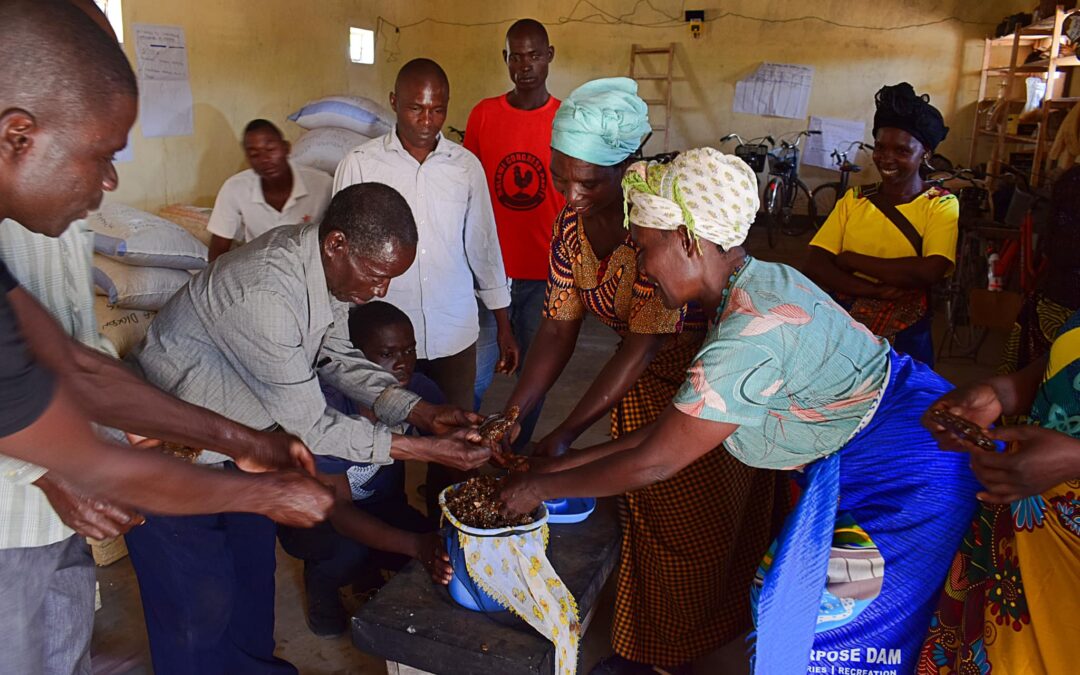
(859, 145)
(788, 145)
(958, 173)
(841, 158)
(772, 142)
(761, 140)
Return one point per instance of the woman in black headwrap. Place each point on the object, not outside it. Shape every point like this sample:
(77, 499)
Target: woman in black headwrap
(884, 246)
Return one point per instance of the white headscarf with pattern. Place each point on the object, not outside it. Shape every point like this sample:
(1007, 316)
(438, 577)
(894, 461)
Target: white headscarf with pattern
(714, 195)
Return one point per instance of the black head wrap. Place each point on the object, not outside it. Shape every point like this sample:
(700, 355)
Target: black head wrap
(899, 107)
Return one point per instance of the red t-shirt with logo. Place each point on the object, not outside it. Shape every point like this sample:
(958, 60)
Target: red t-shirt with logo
(515, 148)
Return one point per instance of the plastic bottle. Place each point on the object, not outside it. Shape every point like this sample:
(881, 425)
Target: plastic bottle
(993, 281)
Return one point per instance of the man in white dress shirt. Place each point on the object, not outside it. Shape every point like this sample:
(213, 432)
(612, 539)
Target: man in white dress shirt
(458, 258)
(458, 249)
(273, 192)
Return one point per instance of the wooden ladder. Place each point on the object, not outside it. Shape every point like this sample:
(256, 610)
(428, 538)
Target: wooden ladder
(664, 98)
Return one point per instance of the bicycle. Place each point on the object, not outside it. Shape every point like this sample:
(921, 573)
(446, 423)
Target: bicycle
(826, 195)
(967, 328)
(786, 197)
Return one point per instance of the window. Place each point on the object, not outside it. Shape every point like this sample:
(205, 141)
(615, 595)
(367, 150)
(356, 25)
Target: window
(115, 15)
(362, 45)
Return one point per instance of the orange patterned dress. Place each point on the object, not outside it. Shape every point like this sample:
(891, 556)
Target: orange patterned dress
(691, 544)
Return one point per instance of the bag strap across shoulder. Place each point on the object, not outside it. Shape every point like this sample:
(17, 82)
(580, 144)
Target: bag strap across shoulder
(896, 218)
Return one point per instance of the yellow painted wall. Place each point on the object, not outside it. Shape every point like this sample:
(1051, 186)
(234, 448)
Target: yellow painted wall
(247, 59)
(265, 58)
(942, 59)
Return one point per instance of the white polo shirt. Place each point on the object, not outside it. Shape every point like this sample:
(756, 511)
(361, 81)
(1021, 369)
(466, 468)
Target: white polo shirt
(241, 212)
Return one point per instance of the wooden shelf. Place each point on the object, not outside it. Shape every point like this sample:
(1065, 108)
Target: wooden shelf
(1039, 66)
(1023, 42)
(1044, 27)
(1070, 61)
(1040, 30)
(1009, 138)
(1007, 40)
(1065, 100)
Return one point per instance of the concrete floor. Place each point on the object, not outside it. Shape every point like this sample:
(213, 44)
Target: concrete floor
(119, 645)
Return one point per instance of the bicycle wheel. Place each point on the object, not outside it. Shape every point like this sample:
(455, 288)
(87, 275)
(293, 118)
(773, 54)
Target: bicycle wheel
(825, 197)
(963, 337)
(774, 207)
(800, 215)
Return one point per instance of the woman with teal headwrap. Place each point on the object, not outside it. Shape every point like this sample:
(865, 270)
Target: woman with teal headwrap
(690, 544)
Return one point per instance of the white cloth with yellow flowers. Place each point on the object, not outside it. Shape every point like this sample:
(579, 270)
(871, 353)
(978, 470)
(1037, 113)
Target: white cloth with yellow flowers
(515, 571)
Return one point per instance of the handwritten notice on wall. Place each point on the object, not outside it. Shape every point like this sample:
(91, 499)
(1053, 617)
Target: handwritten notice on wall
(836, 134)
(775, 89)
(165, 103)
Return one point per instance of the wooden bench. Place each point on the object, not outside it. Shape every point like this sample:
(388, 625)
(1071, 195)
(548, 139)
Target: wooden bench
(418, 628)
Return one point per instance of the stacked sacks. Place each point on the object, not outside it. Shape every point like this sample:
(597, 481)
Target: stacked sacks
(194, 219)
(141, 260)
(124, 328)
(324, 148)
(336, 125)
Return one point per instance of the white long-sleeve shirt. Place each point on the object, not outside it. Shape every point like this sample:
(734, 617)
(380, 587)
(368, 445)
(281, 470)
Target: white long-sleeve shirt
(56, 271)
(457, 257)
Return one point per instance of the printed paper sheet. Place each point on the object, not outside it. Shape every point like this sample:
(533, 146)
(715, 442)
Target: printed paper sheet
(775, 89)
(835, 134)
(165, 102)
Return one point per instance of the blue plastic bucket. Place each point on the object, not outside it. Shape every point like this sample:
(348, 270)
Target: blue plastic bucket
(463, 589)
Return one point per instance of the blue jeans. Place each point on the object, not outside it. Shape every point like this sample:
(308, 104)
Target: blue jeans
(207, 585)
(526, 311)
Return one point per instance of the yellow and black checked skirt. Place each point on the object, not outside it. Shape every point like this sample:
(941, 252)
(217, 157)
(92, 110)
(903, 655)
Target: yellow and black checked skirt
(691, 544)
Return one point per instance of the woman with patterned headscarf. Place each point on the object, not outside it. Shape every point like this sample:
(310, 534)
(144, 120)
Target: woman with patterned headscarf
(786, 379)
(884, 246)
(691, 543)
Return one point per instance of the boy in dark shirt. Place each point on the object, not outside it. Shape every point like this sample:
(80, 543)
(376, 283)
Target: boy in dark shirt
(372, 514)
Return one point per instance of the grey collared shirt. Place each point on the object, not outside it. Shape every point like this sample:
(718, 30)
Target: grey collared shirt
(250, 335)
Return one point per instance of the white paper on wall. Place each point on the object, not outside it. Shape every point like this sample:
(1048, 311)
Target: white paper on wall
(836, 134)
(775, 89)
(165, 101)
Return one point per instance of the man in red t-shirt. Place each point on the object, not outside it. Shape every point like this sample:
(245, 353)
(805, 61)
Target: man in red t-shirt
(511, 134)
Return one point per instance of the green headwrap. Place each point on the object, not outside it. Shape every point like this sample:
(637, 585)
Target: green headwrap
(601, 122)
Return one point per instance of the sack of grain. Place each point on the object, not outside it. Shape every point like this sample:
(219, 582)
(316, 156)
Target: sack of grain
(354, 113)
(134, 287)
(192, 218)
(324, 148)
(139, 238)
(124, 328)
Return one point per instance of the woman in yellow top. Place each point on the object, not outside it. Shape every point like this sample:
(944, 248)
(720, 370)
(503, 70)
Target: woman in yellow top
(884, 246)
